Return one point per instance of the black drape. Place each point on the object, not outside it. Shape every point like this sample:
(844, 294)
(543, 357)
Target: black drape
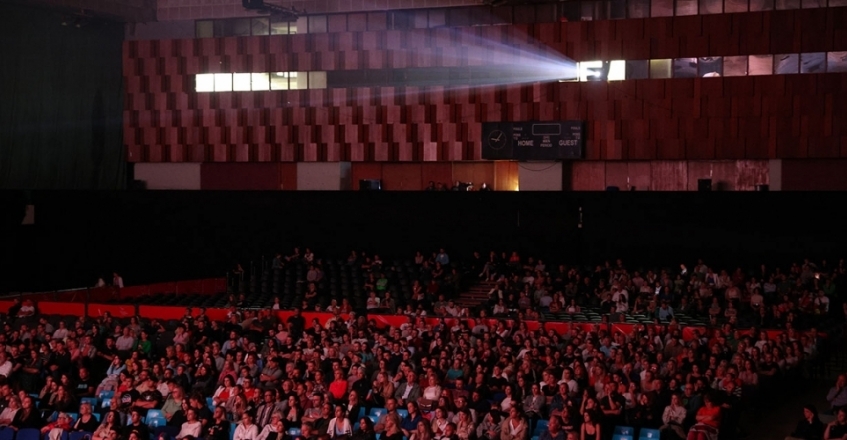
(61, 99)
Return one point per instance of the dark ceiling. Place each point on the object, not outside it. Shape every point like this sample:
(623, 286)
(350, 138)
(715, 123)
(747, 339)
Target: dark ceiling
(128, 11)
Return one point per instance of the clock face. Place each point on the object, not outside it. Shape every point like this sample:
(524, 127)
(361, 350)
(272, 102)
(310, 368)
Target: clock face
(497, 139)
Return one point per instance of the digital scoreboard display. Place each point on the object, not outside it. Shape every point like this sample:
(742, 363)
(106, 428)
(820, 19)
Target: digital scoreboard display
(533, 140)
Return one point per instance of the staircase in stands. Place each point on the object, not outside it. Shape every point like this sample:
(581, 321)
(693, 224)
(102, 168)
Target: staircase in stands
(475, 295)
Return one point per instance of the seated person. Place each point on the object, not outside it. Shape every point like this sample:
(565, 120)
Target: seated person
(809, 427)
(837, 430)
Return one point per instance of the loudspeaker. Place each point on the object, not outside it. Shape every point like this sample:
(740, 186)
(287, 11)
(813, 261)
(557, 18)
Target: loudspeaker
(704, 184)
(763, 188)
(370, 185)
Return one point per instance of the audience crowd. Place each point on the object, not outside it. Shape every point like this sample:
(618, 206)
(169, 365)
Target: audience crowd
(254, 377)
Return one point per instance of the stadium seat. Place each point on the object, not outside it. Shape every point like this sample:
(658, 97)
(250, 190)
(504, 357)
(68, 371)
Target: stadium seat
(540, 427)
(402, 413)
(154, 413)
(106, 394)
(28, 434)
(621, 437)
(624, 430)
(294, 432)
(377, 412)
(155, 422)
(7, 434)
(361, 414)
(373, 418)
(648, 434)
(79, 435)
(90, 400)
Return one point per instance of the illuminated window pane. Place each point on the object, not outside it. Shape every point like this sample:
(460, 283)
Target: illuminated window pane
(660, 68)
(223, 82)
(204, 29)
(685, 68)
(807, 4)
(280, 27)
(279, 81)
(617, 70)
(298, 80)
(761, 5)
(711, 6)
(735, 66)
(204, 82)
(710, 66)
(686, 7)
(813, 62)
(590, 70)
(317, 24)
(833, 3)
(260, 81)
(735, 6)
(787, 4)
(786, 64)
(661, 8)
(241, 82)
(760, 65)
(638, 8)
(317, 80)
(836, 62)
(260, 26)
(637, 69)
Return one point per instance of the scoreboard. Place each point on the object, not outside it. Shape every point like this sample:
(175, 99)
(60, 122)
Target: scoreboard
(533, 140)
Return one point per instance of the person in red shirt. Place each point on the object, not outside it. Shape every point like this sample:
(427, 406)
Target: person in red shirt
(708, 421)
(338, 387)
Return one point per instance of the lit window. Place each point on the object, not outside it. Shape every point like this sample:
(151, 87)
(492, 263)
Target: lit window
(240, 82)
(590, 70)
(223, 82)
(617, 70)
(685, 68)
(711, 67)
(735, 66)
(260, 81)
(204, 82)
(813, 62)
(279, 81)
(317, 80)
(760, 65)
(298, 80)
(786, 64)
(836, 62)
(660, 68)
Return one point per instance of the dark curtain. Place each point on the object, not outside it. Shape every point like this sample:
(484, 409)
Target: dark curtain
(61, 101)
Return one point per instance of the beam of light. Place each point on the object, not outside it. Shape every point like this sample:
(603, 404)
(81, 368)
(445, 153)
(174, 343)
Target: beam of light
(518, 60)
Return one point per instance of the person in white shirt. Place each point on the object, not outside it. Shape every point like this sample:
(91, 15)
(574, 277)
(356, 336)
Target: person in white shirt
(8, 414)
(192, 427)
(62, 332)
(5, 365)
(339, 426)
(125, 342)
(117, 281)
(673, 417)
(246, 430)
(274, 427)
(822, 302)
